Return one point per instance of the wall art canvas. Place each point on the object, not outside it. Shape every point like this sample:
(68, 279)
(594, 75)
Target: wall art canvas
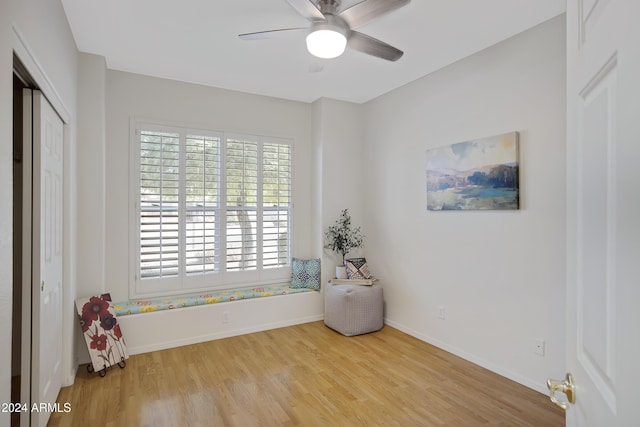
(101, 332)
(477, 174)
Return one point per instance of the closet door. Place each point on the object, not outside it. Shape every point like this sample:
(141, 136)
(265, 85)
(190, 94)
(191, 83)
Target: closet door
(46, 309)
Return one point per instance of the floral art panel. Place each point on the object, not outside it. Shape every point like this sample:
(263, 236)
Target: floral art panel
(101, 331)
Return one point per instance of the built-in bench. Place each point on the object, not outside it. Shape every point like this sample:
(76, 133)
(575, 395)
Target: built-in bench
(161, 323)
(212, 297)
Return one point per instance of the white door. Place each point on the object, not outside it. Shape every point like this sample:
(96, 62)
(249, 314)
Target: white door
(603, 211)
(46, 309)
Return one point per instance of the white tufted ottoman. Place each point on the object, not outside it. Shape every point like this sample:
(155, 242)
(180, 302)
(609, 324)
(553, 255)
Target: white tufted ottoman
(353, 309)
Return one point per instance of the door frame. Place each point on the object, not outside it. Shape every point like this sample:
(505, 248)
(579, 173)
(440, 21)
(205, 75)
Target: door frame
(27, 218)
(28, 66)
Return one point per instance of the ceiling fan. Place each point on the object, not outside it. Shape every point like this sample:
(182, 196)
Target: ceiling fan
(331, 29)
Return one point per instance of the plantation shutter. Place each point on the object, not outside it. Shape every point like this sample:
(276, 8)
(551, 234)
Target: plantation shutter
(159, 204)
(276, 202)
(242, 203)
(213, 210)
(202, 192)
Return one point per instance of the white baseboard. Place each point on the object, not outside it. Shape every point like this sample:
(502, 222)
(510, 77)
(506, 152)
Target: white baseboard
(146, 332)
(69, 380)
(527, 382)
(163, 345)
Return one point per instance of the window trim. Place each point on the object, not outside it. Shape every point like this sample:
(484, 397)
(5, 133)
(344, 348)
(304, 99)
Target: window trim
(219, 279)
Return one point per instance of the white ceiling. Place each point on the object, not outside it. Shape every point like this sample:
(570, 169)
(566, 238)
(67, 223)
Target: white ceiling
(196, 41)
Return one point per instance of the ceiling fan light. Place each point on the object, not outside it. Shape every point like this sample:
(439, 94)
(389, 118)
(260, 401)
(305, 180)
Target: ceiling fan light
(326, 43)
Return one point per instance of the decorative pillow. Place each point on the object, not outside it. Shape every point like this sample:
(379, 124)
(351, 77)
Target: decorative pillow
(357, 268)
(305, 273)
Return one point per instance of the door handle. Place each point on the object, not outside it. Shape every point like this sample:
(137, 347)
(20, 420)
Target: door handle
(566, 386)
(42, 286)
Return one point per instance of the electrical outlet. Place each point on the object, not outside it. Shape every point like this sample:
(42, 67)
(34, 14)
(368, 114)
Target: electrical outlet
(225, 317)
(441, 312)
(539, 348)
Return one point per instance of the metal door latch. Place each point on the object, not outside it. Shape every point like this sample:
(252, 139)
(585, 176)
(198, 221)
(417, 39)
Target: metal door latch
(566, 386)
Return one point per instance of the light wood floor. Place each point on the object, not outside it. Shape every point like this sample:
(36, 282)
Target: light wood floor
(305, 375)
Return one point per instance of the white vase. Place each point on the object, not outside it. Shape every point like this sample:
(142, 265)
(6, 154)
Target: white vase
(341, 272)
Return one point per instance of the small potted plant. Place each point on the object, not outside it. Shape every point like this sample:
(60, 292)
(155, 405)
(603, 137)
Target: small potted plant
(342, 238)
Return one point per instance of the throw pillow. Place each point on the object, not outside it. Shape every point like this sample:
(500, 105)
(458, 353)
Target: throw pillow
(357, 268)
(305, 273)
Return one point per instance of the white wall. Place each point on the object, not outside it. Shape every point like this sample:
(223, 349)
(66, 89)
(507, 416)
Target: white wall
(338, 165)
(132, 95)
(6, 200)
(91, 170)
(44, 28)
(499, 274)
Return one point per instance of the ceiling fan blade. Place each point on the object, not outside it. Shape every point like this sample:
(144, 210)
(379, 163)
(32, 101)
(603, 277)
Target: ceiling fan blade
(307, 9)
(271, 34)
(366, 11)
(374, 47)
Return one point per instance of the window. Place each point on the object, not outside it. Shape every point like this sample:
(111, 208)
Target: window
(212, 210)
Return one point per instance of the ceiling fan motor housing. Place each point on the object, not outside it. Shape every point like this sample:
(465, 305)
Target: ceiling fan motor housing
(331, 23)
(329, 7)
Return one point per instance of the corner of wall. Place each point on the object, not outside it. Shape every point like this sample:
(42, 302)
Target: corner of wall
(338, 175)
(91, 188)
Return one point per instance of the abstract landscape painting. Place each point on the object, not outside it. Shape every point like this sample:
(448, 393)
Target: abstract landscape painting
(478, 174)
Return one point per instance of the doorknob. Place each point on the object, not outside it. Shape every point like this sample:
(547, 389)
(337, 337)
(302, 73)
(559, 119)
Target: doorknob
(566, 386)
(42, 286)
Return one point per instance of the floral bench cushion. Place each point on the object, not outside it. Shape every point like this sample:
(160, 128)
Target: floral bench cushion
(213, 297)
